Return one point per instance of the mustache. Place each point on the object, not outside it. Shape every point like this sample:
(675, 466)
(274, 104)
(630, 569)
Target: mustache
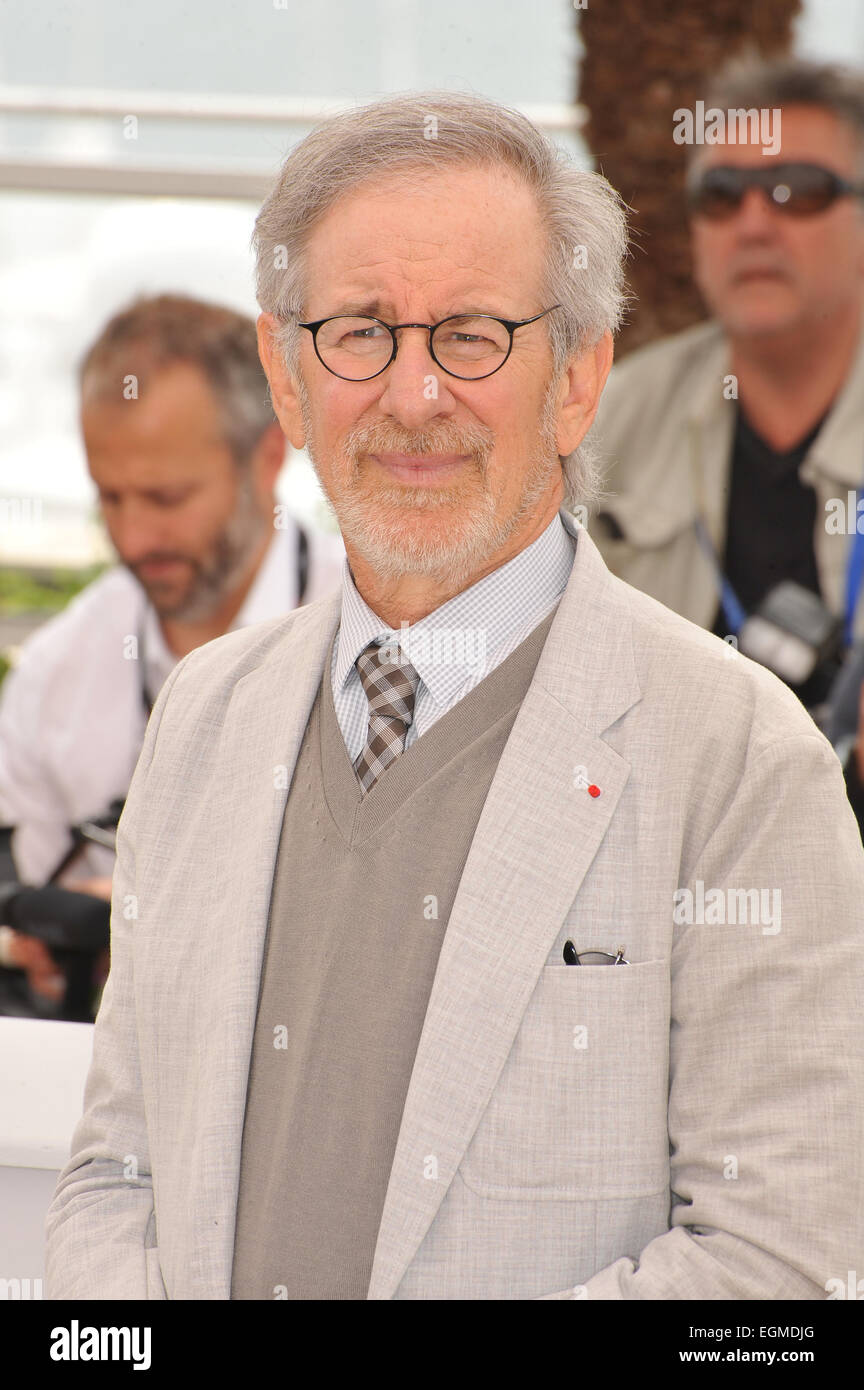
(385, 437)
(158, 557)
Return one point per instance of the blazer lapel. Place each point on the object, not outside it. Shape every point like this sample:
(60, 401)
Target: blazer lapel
(536, 838)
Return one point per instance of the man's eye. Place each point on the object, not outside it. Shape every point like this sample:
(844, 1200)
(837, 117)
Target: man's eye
(364, 334)
(454, 336)
(170, 499)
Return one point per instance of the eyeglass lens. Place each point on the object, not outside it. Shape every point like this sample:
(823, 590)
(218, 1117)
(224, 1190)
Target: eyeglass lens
(794, 188)
(359, 348)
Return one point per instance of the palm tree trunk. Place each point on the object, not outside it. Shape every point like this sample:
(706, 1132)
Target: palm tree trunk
(643, 60)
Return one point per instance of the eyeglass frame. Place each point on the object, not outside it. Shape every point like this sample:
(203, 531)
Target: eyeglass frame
(511, 325)
(842, 188)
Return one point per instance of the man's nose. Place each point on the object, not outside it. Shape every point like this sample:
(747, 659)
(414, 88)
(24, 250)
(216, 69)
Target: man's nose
(136, 531)
(415, 387)
(757, 214)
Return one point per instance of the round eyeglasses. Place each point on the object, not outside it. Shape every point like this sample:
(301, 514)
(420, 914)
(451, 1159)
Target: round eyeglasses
(468, 346)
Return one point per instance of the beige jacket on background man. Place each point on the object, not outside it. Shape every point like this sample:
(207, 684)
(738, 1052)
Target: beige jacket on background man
(664, 428)
(686, 1126)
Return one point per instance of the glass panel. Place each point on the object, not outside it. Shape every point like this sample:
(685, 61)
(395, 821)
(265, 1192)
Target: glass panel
(330, 51)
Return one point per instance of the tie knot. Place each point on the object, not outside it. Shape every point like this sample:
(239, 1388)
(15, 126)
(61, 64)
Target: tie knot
(390, 682)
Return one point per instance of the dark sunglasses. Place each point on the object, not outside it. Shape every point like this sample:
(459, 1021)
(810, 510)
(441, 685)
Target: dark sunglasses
(799, 189)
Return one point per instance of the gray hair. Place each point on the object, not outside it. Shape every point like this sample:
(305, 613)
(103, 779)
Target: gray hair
(752, 82)
(417, 132)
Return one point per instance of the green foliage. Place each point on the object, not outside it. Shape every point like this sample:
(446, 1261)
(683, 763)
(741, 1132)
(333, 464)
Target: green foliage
(43, 591)
(29, 591)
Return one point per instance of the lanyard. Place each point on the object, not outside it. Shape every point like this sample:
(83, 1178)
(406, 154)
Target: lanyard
(854, 575)
(733, 609)
(302, 581)
(735, 612)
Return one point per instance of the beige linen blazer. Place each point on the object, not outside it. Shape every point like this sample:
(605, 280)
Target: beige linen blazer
(687, 1126)
(664, 429)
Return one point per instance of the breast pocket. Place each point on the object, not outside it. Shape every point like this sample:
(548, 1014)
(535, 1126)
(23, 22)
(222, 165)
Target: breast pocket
(580, 1109)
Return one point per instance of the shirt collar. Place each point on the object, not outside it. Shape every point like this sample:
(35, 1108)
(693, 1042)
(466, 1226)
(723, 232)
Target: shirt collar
(445, 646)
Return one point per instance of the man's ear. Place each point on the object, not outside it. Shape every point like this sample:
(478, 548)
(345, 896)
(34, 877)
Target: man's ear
(579, 393)
(283, 389)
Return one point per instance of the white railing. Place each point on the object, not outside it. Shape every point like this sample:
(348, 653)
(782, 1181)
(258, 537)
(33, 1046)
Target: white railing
(205, 181)
(200, 106)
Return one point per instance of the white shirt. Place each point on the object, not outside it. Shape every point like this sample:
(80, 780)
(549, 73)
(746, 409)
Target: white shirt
(72, 718)
(456, 646)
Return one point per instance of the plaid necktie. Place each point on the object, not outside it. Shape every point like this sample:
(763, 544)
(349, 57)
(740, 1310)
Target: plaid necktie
(391, 688)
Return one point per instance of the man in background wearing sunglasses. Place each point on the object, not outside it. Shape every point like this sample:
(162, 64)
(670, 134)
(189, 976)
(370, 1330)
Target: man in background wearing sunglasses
(733, 446)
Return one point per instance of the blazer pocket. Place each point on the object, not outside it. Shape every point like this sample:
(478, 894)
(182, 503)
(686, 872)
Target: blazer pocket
(580, 1110)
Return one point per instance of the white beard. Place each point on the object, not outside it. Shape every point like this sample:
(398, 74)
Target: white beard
(460, 545)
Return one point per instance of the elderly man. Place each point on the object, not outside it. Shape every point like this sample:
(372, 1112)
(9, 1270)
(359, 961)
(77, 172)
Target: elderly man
(733, 447)
(516, 922)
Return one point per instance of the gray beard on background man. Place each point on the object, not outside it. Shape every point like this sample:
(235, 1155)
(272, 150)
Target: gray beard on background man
(224, 569)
